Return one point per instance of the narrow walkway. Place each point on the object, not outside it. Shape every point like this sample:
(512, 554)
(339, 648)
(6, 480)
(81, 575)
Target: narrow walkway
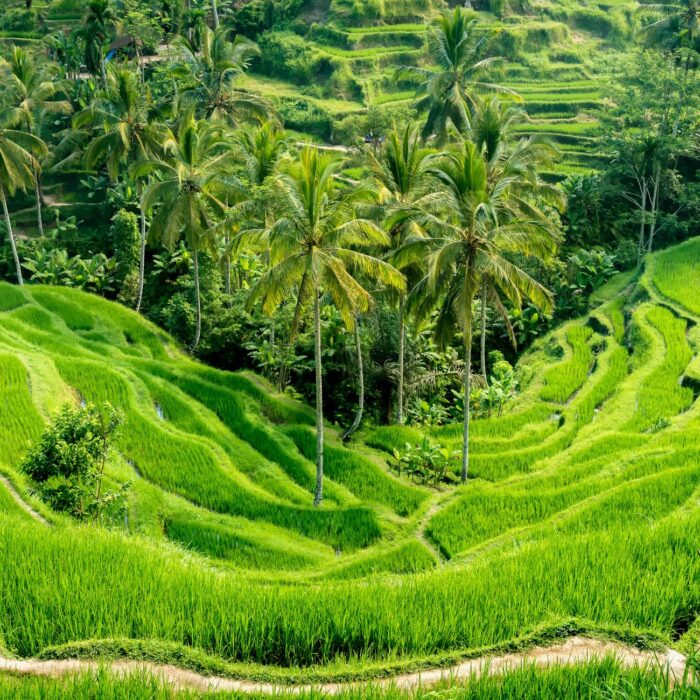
(21, 502)
(440, 502)
(575, 650)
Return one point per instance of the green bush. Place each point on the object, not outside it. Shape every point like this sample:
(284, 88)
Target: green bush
(604, 24)
(18, 19)
(67, 8)
(303, 115)
(68, 463)
(287, 55)
(124, 233)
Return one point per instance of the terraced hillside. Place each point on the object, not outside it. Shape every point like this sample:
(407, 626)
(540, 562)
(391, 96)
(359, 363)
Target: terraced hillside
(335, 60)
(583, 515)
(558, 58)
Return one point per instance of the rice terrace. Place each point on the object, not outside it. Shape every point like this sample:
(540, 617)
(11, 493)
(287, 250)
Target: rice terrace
(349, 348)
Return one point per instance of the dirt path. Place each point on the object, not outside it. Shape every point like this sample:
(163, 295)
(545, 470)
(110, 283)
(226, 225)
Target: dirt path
(440, 501)
(21, 502)
(573, 651)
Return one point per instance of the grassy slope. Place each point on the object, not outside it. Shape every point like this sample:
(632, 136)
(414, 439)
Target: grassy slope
(584, 505)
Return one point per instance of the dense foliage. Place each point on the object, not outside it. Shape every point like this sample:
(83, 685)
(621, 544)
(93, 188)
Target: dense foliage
(455, 230)
(68, 463)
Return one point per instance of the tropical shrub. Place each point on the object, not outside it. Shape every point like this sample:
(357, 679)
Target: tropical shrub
(427, 462)
(124, 233)
(67, 464)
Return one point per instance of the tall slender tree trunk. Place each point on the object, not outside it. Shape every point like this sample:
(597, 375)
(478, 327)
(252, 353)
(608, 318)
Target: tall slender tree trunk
(402, 356)
(654, 208)
(360, 381)
(467, 390)
(284, 370)
(227, 267)
(483, 335)
(642, 225)
(319, 399)
(103, 70)
(215, 13)
(142, 257)
(198, 303)
(11, 235)
(37, 192)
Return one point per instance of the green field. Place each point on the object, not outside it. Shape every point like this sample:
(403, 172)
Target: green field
(582, 516)
(453, 246)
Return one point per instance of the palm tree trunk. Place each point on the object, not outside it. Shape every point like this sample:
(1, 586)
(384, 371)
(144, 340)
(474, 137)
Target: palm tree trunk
(142, 258)
(11, 235)
(37, 192)
(467, 391)
(198, 303)
(103, 70)
(319, 400)
(361, 384)
(642, 225)
(284, 370)
(227, 268)
(483, 335)
(402, 355)
(654, 208)
(215, 12)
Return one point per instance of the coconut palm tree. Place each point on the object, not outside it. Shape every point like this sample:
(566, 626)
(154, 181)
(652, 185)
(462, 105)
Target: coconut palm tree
(191, 191)
(18, 163)
(99, 24)
(127, 132)
(494, 133)
(401, 173)
(261, 149)
(679, 24)
(476, 223)
(447, 93)
(261, 146)
(314, 246)
(209, 76)
(30, 86)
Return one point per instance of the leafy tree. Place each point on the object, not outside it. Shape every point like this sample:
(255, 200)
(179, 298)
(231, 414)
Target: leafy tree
(314, 245)
(138, 21)
(18, 163)
(447, 93)
(262, 148)
(195, 22)
(67, 465)
(30, 88)
(476, 222)
(652, 122)
(191, 191)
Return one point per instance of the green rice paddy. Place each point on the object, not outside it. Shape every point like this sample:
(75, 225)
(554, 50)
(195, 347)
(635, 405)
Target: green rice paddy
(582, 514)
